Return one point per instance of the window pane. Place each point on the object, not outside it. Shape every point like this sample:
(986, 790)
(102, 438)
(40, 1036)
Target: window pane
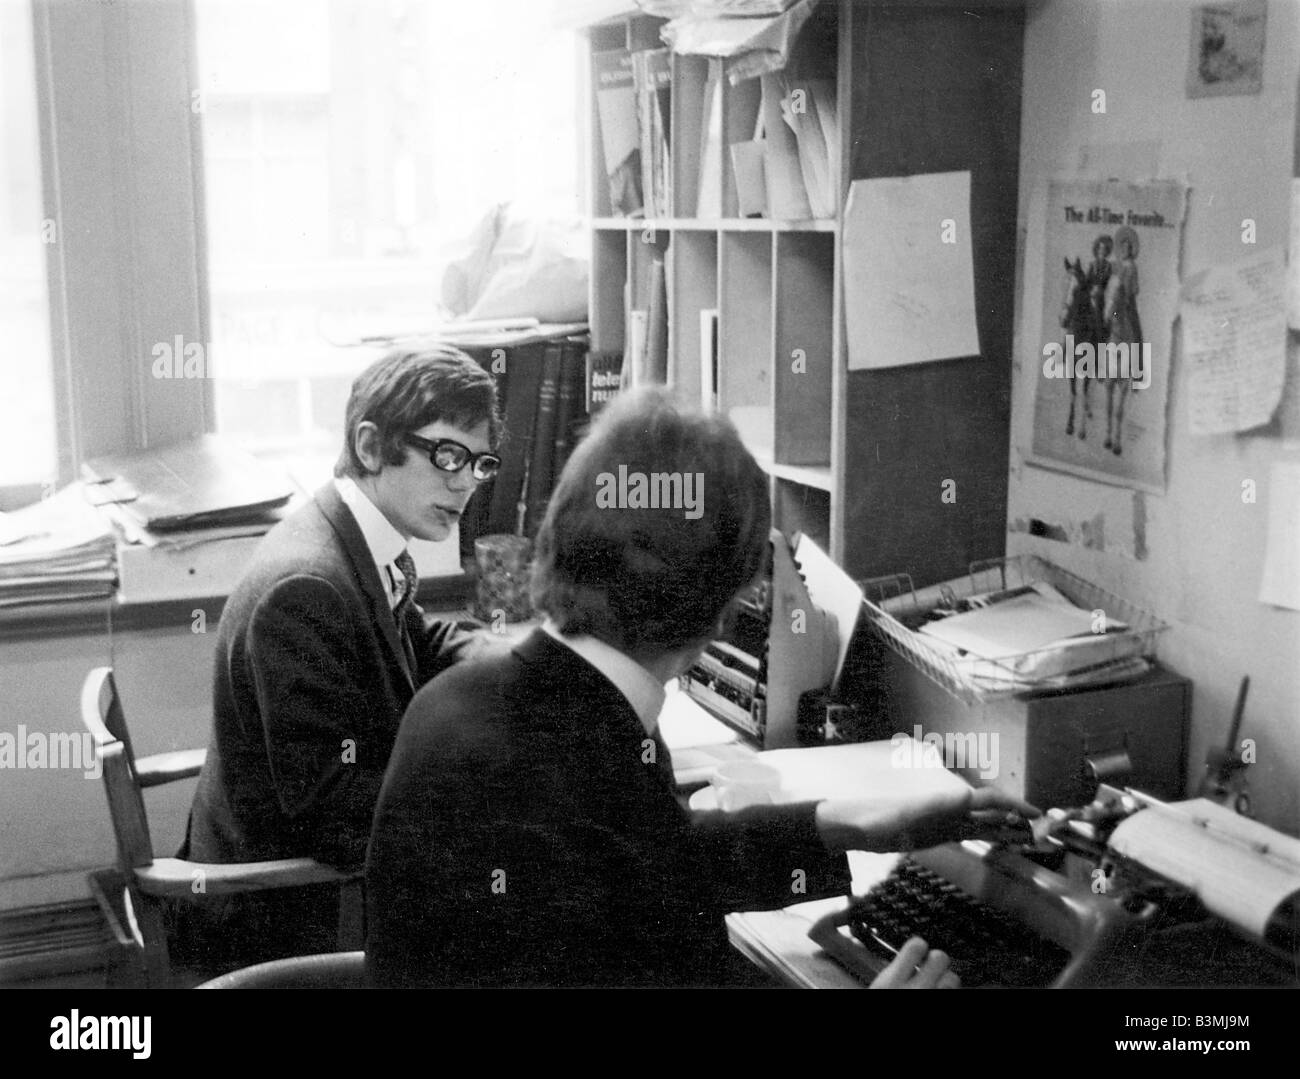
(350, 148)
(27, 434)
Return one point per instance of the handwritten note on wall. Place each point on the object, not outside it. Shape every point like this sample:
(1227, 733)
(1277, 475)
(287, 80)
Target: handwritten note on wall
(909, 282)
(1234, 343)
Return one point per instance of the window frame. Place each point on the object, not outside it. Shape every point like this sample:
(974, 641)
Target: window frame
(121, 178)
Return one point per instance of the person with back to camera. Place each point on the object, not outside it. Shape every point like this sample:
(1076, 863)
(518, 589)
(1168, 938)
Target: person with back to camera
(528, 831)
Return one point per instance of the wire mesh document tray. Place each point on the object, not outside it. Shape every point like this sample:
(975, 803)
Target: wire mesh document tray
(1120, 646)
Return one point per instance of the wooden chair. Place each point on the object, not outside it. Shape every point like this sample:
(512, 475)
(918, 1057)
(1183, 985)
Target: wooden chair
(334, 970)
(132, 898)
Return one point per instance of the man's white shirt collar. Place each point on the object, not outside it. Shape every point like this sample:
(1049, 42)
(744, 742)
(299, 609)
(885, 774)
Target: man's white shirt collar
(383, 540)
(639, 686)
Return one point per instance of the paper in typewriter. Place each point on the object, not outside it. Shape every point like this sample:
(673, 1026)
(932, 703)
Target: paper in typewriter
(1242, 870)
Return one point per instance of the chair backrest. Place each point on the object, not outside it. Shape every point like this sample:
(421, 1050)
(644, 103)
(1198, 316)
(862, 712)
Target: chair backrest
(333, 970)
(101, 715)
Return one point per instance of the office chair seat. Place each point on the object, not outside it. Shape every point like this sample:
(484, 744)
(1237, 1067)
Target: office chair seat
(333, 970)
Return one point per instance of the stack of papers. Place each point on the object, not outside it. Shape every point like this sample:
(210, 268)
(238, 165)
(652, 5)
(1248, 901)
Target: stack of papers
(1031, 635)
(752, 45)
(194, 483)
(55, 550)
(1034, 618)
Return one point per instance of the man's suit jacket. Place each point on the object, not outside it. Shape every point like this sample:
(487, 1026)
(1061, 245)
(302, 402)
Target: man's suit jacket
(309, 687)
(528, 833)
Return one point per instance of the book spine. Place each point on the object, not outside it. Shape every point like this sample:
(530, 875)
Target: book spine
(652, 81)
(566, 409)
(604, 379)
(709, 359)
(523, 380)
(644, 125)
(616, 102)
(656, 345)
(476, 520)
(540, 468)
(660, 81)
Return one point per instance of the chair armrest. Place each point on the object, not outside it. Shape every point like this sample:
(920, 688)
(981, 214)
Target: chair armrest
(165, 767)
(175, 878)
(333, 970)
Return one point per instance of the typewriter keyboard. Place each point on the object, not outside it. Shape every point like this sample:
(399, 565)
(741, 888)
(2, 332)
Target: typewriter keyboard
(986, 946)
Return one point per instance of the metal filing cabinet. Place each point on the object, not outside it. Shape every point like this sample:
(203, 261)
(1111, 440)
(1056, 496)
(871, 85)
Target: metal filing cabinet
(1133, 734)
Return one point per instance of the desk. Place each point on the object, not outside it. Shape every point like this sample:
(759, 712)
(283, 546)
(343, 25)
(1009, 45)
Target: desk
(698, 742)
(1173, 953)
(776, 941)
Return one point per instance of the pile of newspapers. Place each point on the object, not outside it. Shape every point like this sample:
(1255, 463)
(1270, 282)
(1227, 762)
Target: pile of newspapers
(59, 549)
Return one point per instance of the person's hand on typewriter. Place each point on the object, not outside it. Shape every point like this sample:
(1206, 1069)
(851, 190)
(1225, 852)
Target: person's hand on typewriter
(917, 967)
(988, 814)
(894, 824)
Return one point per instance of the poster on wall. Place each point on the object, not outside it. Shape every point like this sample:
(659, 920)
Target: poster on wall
(1227, 48)
(1110, 295)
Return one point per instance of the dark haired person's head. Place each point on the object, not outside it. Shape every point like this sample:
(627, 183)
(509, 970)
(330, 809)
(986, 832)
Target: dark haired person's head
(405, 391)
(660, 517)
(419, 432)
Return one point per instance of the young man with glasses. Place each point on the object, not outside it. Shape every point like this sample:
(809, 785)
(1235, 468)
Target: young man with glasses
(321, 647)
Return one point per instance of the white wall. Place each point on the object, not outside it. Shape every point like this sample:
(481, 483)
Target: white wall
(54, 823)
(1203, 547)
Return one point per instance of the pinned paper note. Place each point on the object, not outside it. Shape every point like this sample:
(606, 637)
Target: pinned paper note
(1234, 343)
(909, 282)
(1280, 583)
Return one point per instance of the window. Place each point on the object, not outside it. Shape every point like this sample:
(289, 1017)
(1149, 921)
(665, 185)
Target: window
(349, 148)
(28, 446)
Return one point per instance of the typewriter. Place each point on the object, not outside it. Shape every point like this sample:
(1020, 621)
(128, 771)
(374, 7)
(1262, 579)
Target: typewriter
(1066, 910)
(779, 645)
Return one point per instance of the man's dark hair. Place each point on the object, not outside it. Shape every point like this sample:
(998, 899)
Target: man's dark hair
(642, 577)
(406, 390)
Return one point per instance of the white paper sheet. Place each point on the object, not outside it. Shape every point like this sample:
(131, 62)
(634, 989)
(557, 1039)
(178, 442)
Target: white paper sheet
(900, 769)
(1234, 343)
(1280, 582)
(787, 197)
(754, 46)
(1012, 627)
(909, 295)
(1240, 869)
(834, 591)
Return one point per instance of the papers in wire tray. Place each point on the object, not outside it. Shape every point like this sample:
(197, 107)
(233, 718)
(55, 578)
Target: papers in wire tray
(898, 613)
(1032, 634)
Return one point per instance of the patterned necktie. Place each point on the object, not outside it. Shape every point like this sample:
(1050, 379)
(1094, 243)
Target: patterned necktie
(411, 580)
(406, 564)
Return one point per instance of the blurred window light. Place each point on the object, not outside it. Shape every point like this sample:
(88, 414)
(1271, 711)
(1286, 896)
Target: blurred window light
(28, 440)
(350, 147)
